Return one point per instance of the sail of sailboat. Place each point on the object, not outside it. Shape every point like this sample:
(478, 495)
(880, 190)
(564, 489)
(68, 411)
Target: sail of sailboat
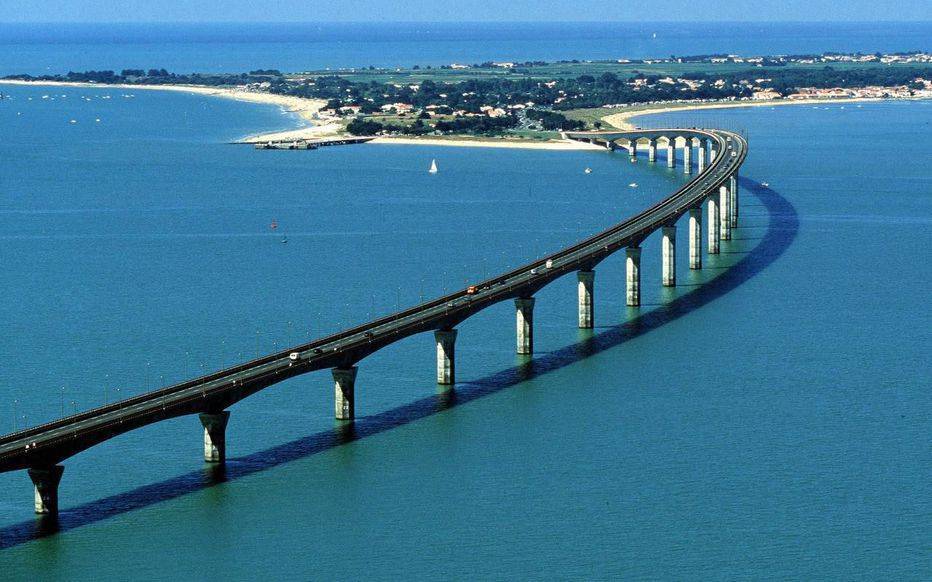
(433, 167)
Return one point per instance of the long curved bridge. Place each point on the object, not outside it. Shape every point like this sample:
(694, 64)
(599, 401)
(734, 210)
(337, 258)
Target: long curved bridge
(41, 449)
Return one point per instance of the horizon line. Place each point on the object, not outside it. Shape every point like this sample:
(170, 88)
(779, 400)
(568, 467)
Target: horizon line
(561, 22)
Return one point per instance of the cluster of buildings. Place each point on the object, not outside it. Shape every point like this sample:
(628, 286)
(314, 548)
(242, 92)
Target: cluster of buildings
(872, 92)
(891, 58)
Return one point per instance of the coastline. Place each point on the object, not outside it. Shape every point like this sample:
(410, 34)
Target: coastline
(318, 126)
(308, 110)
(562, 145)
(623, 120)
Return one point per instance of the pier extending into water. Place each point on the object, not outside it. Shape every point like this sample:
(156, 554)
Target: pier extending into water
(40, 450)
(308, 144)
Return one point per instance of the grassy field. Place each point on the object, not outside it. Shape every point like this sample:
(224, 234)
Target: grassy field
(563, 70)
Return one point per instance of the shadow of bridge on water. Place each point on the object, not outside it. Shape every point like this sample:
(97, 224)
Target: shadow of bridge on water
(782, 228)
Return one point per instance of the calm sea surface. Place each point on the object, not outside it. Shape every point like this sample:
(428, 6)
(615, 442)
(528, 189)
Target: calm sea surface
(768, 418)
(57, 48)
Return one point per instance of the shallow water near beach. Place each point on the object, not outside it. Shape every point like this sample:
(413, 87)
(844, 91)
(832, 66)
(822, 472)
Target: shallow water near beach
(769, 417)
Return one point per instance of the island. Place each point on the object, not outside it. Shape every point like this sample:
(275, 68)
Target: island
(535, 101)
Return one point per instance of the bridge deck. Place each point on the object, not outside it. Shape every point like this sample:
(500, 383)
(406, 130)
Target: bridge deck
(52, 442)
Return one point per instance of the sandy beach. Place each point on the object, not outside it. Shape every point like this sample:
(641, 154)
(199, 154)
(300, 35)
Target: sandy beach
(307, 109)
(623, 120)
(488, 143)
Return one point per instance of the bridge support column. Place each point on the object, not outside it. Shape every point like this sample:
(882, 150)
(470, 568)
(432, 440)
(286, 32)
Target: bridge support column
(695, 238)
(687, 157)
(733, 187)
(724, 197)
(46, 480)
(671, 154)
(344, 384)
(714, 226)
(633, 276)
(586, 304)
(633, 149)
(652, 151)
(668, 256)
(524, 317)
(701, 156)
(446, 359)
(610, 145)
(215, 435)
(712, 151)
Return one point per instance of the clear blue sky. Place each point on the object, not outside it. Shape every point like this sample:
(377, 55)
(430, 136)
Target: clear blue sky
(459, 10)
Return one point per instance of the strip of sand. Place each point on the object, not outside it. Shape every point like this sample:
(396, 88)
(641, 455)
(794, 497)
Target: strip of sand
(623, 120)
(489, 143)
(307, 109)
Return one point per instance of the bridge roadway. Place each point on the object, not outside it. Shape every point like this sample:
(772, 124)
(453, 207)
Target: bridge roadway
(39, 449)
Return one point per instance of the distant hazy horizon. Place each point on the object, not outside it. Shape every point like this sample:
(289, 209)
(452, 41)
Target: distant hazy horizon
(295, 47)
(292, 11)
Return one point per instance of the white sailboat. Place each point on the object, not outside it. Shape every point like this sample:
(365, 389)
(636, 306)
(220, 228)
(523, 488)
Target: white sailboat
(433, 167)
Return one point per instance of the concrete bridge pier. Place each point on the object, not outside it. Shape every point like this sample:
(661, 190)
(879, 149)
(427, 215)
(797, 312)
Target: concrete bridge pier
(586, 304)
(524, 309)
(712, 151)
(701, 156)
(633, 276)
(446, 360)
(714, 226)
(687, 156)
(46, 480)
(668, 256)
(652, 150)
(695, 238)
(215, 439)
(610, 145)
(671, 154)
(344, 384)
(733, 187)
(633, 149)
(724, 196)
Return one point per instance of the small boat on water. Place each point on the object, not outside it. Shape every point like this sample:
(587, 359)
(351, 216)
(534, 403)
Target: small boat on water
(433, 167)
(588, 170)
(765, 184)
(633, 185)
(284, 240)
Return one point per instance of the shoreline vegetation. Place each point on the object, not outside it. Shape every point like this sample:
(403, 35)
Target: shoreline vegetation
(529, 104)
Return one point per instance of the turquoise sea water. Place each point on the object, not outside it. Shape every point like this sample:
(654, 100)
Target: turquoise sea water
(770, 417)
